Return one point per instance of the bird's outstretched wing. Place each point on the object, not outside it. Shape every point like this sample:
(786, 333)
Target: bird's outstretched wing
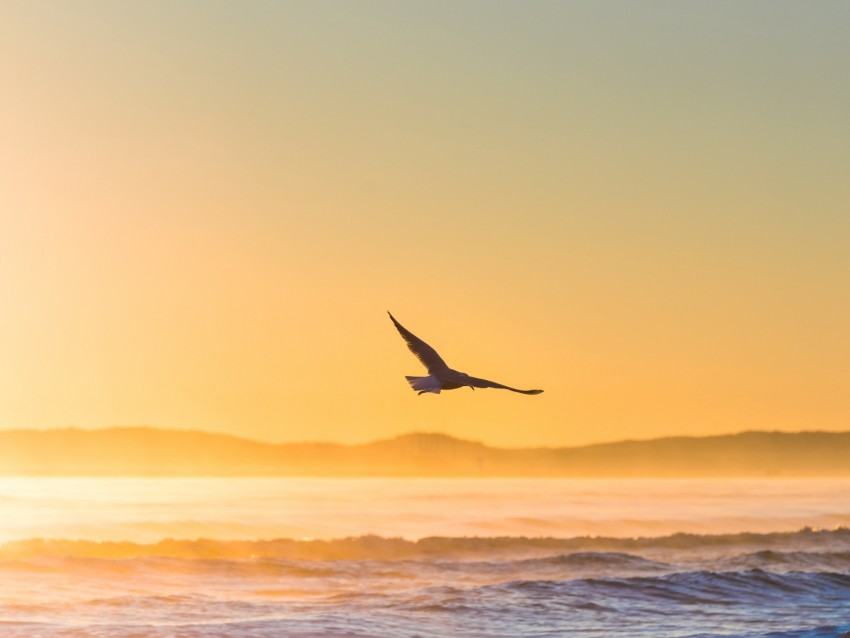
(484, 383)
(425, 353)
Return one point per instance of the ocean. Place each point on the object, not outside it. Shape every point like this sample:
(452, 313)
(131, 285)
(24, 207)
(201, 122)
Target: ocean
(429, 558)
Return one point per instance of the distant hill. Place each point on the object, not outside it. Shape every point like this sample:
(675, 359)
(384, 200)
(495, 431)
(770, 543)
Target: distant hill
(143, 451)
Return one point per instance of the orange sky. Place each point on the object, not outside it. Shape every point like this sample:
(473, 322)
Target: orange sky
(206, 210)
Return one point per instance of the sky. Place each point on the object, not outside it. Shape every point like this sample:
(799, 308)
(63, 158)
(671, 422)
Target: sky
(207, 208)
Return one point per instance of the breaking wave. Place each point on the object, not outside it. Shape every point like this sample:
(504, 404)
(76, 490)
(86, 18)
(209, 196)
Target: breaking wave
(805, 544)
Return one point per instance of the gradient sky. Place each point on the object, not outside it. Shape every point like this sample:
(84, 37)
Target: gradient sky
(207, 207)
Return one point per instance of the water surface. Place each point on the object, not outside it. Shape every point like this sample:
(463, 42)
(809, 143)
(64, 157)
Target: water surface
(433, 558)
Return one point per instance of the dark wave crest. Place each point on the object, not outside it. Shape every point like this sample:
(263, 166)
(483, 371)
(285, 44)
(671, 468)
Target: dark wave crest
(754, 598)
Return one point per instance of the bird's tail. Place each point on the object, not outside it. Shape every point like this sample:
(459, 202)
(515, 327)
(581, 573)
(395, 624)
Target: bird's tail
(424, 384)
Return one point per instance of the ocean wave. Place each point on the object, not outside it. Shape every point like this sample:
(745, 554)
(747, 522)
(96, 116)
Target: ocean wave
(774, 560)
(613, 560)
(584, 548)
(705, 589)
(748, 603)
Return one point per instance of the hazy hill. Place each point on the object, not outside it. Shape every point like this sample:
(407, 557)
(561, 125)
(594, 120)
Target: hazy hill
(157, 452)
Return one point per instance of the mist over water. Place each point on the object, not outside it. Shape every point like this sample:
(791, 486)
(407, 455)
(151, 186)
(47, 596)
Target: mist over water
(148, 510)
(403, 557)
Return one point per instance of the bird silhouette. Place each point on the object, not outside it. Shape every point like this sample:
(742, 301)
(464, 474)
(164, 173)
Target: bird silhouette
(441, 376)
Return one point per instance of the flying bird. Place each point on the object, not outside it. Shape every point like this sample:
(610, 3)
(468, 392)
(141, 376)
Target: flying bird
(441, 376)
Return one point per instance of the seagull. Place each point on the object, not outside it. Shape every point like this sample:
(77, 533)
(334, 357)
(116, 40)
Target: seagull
(440, 376)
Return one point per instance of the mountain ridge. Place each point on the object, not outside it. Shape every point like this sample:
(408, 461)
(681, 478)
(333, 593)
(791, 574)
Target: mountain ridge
(151, 451)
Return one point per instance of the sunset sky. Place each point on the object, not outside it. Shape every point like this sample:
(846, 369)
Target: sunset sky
(207, 208)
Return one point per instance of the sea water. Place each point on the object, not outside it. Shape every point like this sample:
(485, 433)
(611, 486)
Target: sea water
(263, 558)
